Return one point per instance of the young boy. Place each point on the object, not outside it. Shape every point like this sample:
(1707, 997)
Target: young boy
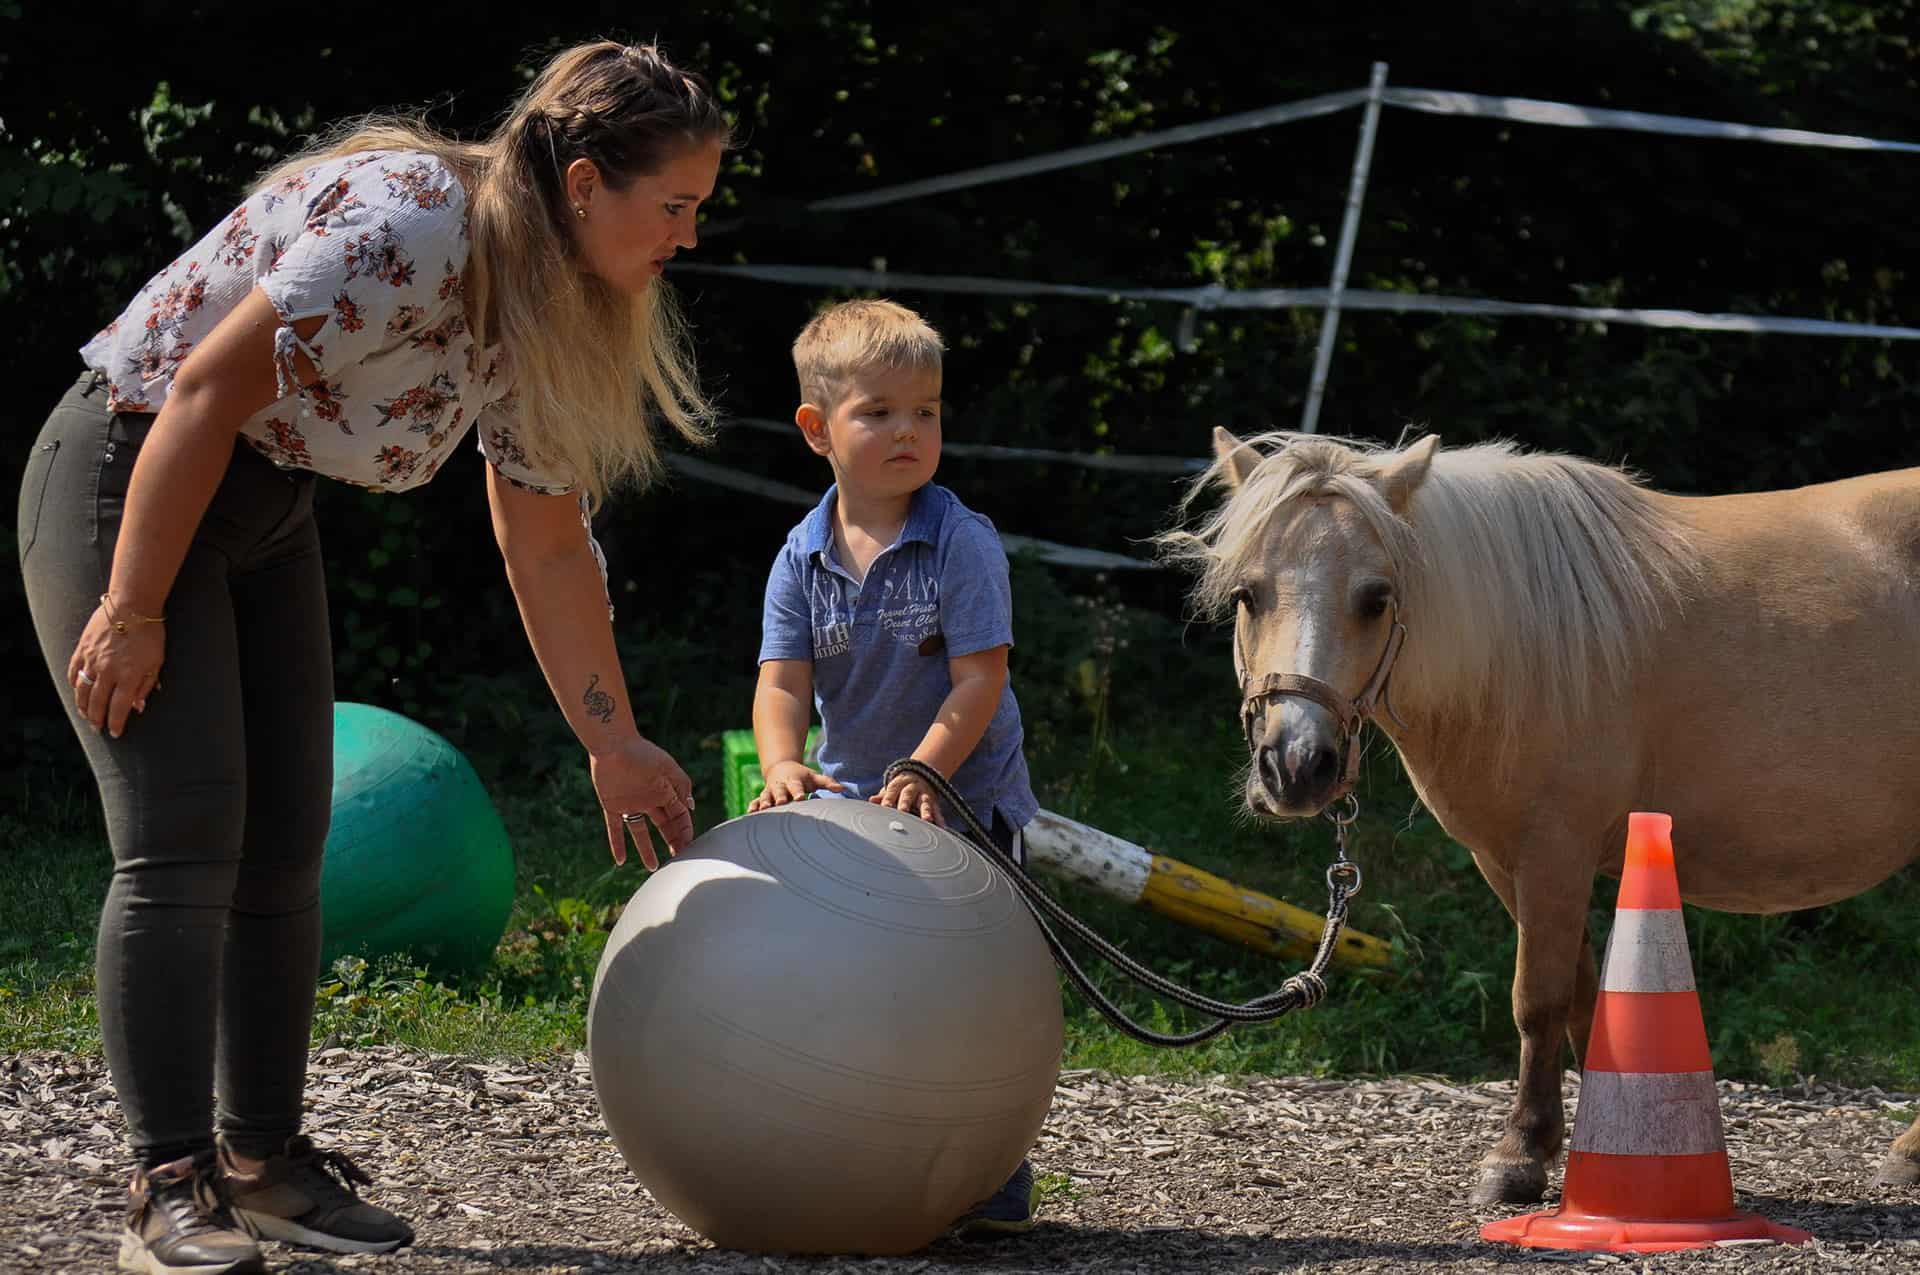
(889, 611)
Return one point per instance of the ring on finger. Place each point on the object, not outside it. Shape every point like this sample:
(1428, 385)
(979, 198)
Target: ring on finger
(84, 678)
(632, 817)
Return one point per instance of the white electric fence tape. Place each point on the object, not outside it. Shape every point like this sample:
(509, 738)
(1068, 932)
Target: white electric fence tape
(1526, 110)
(1045, 550)
(1217, 298)
(992, 451)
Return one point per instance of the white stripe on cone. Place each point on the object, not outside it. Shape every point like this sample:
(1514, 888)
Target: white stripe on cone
(1648, 1113)
(1647, 952)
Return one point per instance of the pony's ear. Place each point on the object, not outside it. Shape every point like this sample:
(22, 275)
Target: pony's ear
(1237, 458)
(1400, 479)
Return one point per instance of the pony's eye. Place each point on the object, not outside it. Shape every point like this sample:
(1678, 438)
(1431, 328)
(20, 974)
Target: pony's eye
(1373, 600)
(1241, 596)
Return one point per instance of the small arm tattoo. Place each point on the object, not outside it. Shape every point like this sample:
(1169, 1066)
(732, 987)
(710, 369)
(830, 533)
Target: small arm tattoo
(599, 703)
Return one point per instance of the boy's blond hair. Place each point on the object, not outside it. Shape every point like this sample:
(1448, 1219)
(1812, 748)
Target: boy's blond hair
(850, 337)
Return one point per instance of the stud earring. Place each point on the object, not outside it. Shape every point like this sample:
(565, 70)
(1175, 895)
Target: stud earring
(580, 211)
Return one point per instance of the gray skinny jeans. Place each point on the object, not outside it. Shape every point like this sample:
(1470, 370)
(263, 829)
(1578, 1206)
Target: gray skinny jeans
(216, 798)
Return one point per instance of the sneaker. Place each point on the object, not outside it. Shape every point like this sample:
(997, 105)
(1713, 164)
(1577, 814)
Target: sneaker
(178, 1224)
(1008, 1210)
(306, 1196)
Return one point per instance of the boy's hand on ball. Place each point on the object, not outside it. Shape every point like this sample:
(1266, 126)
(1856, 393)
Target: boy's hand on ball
(639, 783)
(790, 781)
(911, 794)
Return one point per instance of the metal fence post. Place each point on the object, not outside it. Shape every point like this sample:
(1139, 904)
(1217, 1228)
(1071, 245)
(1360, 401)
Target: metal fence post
(1356, 192)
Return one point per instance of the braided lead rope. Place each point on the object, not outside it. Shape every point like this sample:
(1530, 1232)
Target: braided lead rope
(1302, 991)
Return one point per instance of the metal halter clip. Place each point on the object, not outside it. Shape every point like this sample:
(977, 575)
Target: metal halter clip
(1343, 873)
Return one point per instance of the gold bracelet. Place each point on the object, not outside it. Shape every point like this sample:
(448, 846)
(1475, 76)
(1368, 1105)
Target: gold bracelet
(120, 625)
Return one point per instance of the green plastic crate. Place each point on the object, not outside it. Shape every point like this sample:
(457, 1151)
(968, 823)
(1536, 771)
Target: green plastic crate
(740, 767)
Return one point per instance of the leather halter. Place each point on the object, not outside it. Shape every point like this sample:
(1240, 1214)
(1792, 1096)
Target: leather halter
(1351, 714)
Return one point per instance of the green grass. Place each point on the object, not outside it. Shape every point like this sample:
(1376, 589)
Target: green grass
(56, 872)
(1784, 997)
(1056, 1186)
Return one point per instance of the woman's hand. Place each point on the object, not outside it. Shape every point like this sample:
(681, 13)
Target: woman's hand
(113, 671)
(911, 794)
(227, 377)
(638, 783)
(790, 781)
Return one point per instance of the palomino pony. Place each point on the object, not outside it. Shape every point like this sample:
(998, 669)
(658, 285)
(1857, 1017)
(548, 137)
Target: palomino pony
(1550, 645)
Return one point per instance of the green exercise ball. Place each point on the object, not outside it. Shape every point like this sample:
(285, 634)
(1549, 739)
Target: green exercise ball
(417, 860)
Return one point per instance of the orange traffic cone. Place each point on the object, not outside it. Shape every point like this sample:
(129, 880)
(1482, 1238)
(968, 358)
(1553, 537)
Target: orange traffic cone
(1648, 1167)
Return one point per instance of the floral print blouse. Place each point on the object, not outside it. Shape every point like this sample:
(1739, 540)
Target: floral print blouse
(377, 243)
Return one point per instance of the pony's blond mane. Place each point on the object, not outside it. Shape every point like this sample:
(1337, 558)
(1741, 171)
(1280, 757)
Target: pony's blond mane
(1530, 582)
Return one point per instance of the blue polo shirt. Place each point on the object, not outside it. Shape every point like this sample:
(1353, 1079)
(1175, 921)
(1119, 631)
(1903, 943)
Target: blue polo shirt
(880, 648)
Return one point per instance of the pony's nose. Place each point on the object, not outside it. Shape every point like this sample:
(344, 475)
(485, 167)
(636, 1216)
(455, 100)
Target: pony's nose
(1308, 766)
(1298, 773)
(1266, 762)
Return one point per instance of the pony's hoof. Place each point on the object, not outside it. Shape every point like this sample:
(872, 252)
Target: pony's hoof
(1510, 1182)
(1898, 1170)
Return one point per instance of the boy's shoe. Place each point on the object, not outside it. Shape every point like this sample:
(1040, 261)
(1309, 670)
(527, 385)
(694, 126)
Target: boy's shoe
(1008, 1210)
(307, 1196)
(178, 1224)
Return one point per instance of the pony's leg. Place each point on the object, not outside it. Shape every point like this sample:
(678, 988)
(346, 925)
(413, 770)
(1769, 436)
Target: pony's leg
(1586, 995)
(1551, 915)
(1902, 1165)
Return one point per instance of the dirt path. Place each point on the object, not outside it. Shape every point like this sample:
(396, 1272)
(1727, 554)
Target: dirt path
(508, 1167)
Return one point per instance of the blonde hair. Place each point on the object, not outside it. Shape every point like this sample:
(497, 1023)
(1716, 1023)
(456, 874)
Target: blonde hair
(592, 367)
(847, 338)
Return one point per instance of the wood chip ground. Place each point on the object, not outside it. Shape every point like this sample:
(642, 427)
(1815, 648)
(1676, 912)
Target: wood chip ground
(506, 1166)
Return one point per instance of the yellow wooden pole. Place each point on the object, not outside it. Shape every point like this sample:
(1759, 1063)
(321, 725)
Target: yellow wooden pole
(1184, 893)
(1198, 898)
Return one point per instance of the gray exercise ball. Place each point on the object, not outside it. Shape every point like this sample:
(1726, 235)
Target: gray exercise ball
(825, 1028)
